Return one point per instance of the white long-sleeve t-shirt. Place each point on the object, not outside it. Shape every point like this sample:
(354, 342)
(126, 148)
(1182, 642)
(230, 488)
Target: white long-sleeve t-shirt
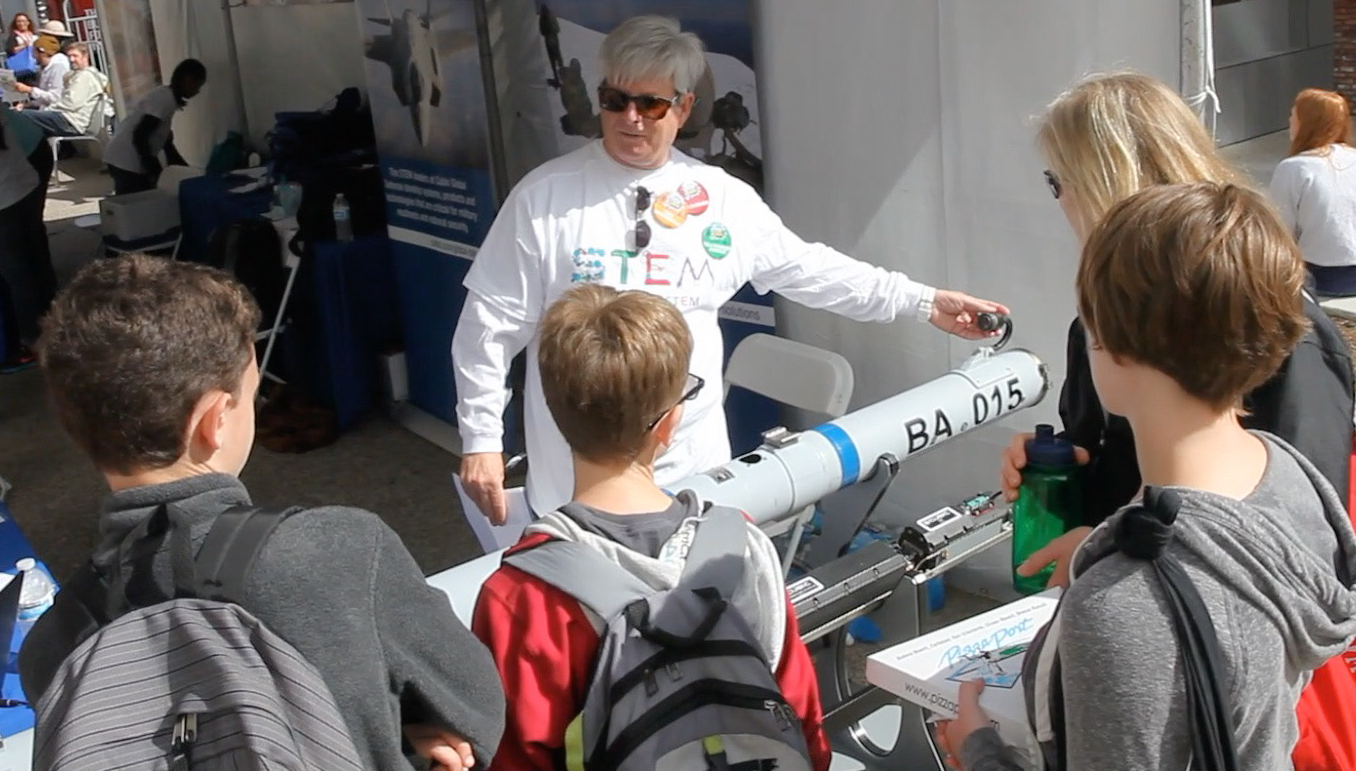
(572, 220)
(1316, 197)
(51, 83)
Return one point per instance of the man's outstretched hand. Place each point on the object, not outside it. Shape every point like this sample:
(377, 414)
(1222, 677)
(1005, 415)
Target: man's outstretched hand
(958, 313)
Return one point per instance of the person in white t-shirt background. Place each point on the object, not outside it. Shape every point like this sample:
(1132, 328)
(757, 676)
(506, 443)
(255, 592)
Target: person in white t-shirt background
(1315, 189)
(51, 78)
(133, 155)
(632, 212)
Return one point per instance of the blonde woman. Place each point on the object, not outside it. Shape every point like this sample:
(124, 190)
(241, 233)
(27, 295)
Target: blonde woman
(1105, 139)
(1315, 189)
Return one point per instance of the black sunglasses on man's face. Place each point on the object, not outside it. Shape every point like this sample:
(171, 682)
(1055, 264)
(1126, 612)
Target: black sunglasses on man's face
(648, 105)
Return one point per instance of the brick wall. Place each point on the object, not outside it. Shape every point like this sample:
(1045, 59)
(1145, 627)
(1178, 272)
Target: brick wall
(1344, 50)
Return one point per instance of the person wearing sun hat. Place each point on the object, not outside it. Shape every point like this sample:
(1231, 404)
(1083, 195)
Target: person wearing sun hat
(56, 29)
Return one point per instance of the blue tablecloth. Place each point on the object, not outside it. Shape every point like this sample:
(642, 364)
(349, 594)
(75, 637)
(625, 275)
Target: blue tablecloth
(206, 203)
(344, 315)
(13, 547)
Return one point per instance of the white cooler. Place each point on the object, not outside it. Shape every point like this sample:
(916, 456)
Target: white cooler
(142, 216)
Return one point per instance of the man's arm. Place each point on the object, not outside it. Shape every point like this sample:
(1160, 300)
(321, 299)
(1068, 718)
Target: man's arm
(141, 140)
(172, 155)
(46, 97)
(505, 300)
(444, 675)
(483, 346)
(818, 276)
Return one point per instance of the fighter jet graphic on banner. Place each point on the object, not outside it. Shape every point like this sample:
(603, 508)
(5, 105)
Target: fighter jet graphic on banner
(414, 52)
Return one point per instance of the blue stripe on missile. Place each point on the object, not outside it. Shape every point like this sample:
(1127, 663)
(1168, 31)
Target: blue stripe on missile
(847, 451)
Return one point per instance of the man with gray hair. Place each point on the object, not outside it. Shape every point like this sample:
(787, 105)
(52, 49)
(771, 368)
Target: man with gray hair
(632, 212)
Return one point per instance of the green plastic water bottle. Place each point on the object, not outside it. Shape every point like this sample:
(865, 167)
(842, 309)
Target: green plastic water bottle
(1048, 502)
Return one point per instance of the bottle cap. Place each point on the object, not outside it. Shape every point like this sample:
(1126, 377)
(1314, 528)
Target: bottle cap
(1046, 449)
(27, 563)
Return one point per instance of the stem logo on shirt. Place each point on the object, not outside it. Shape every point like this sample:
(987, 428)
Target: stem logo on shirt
(588, 266)
(670, 210)
(716, 240)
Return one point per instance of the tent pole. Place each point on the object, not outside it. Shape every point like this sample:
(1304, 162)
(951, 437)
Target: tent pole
(1197, 75)
(498, 167)
(233, 57)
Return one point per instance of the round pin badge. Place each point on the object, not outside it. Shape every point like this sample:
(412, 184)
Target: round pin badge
(670, 210)
(716, 240)
(694, 195)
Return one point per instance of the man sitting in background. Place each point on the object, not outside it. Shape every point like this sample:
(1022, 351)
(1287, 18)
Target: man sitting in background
(51, 79)
(150, 367)
(85, 88)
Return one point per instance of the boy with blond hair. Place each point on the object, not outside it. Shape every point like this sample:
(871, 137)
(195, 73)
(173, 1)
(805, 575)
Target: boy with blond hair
(1191, 298)
(615, 375)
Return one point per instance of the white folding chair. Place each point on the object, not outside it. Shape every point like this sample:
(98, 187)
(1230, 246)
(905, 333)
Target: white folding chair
(797, 375)
(287, 229)
(97, 132)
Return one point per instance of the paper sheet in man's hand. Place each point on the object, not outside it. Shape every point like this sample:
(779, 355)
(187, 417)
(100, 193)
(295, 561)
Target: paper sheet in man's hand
(494, 537)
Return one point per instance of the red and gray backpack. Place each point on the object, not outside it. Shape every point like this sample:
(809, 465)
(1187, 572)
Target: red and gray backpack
(680, 681)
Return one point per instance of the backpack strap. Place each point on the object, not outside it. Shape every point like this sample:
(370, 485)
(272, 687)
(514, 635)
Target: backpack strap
(1143, 533)
(223, 565)
(716, 557)
(597, 582)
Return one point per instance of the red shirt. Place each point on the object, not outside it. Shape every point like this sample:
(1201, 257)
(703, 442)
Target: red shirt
(544, 647)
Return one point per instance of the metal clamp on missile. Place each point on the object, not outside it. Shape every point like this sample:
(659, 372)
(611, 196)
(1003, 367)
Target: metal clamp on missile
(830, 596)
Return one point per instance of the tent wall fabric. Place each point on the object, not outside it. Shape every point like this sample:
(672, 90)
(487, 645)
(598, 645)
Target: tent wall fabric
(284, 57)
(129, 37)
(912, 146)
(295, 57)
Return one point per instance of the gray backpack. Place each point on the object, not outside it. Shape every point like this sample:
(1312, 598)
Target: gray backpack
(680, 682)
(190, 682)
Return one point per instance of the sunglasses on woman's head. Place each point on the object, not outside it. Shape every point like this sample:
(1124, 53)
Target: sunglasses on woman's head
(648, 105)
(1053, 182)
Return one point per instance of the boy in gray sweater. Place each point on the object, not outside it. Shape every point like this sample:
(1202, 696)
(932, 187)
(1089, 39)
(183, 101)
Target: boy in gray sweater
(150, 367)
(1191, 298)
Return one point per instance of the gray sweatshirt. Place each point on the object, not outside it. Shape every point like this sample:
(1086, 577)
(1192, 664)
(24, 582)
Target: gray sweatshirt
(337, 584)
(1275, 572)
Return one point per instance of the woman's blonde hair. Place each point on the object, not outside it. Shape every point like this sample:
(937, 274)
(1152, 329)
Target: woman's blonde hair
(1112, 135)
